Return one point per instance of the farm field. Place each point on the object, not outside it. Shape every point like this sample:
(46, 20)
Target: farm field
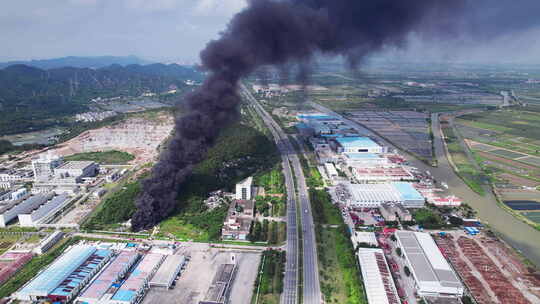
(533, 216)
(505, 144)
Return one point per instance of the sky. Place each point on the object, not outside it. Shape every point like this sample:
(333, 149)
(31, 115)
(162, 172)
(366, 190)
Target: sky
(176, 31)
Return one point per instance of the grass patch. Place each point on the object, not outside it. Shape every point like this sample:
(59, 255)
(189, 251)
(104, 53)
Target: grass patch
(323, 210)
(338, 269)
(105, 157)
(115, 208)
(269, 284)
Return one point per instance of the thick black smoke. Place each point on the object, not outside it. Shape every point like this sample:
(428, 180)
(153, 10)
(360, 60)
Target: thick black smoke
(276, 33)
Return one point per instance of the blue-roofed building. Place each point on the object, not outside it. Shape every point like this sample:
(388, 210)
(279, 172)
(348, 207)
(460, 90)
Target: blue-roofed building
(47, 280)
(65, 277)
(358, 145)
(73, 284)
(410, 197)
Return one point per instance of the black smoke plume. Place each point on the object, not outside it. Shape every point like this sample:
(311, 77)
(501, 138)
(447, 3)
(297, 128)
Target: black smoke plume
(276, 33)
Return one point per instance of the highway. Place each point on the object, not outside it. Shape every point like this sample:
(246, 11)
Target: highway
(311, 287)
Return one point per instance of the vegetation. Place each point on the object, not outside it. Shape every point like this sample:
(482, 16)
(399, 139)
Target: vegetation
(473, 177)
(271, 232)
(272, 181)
(339, 272)
(240, 151)
(7, 147)
(323, 210)
(269, 284)
(270, 205)
(37, 99)
(30, 270)
(428, 219)
(115, 208)
(105, 157)
(407, 271)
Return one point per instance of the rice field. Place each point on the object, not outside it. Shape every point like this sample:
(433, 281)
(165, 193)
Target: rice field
(523, 205)
(507, 153)
(531, 160)
(533, 216)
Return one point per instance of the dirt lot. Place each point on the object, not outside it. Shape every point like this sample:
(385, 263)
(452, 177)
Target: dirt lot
(194, 282)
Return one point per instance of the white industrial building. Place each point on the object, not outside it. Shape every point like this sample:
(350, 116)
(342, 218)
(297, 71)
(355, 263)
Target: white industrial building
(364, 159)
(380, 287)
(244, 189)
(168, 271)
(358, 145)
(76, 169)
(11, 210)
(359, 237)
(432, 274)
(35, 216)
(48, 242)
(44, 165)
(330, 170)
(373, 195)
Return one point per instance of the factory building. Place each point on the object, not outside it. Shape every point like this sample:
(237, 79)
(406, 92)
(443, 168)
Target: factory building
(44, 165)
(331, 170)
(390, 212)
(373, 195)
(244, 189)
(432, 274)
(12, 209)
(43, 212)
(77, 170)
(381, 174)
(218, 293)
(380, 287)
(168, 271)
(364, 160)
(238, 221)
(61, 280)
(361, 237)
(48, 242)
(358, 145)
(80, 277)
(135, 287)
(101, 289)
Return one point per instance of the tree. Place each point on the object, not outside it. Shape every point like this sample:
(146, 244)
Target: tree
(398, 251)
(455, 221)
(393, 238)
(407, 271)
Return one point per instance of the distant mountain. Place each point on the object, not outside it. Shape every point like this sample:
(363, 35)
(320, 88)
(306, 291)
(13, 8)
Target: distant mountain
(33, 98)
(78, 62)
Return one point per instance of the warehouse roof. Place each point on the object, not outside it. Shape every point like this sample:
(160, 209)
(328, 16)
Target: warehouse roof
(83, 272)
(106, 278)
(76, 165)
(380, 288)
(138, 278)
(429, 267)
(356, 155)
(168, 270)
(365, 142)
(58, 271)
(407, 191)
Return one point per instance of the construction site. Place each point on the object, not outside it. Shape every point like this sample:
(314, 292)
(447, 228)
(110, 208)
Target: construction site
(491, 271)
(139, 136)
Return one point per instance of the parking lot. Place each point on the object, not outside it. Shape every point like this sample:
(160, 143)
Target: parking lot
(193, 283)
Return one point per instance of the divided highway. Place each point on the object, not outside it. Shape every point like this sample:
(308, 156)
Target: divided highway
(311, 288)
